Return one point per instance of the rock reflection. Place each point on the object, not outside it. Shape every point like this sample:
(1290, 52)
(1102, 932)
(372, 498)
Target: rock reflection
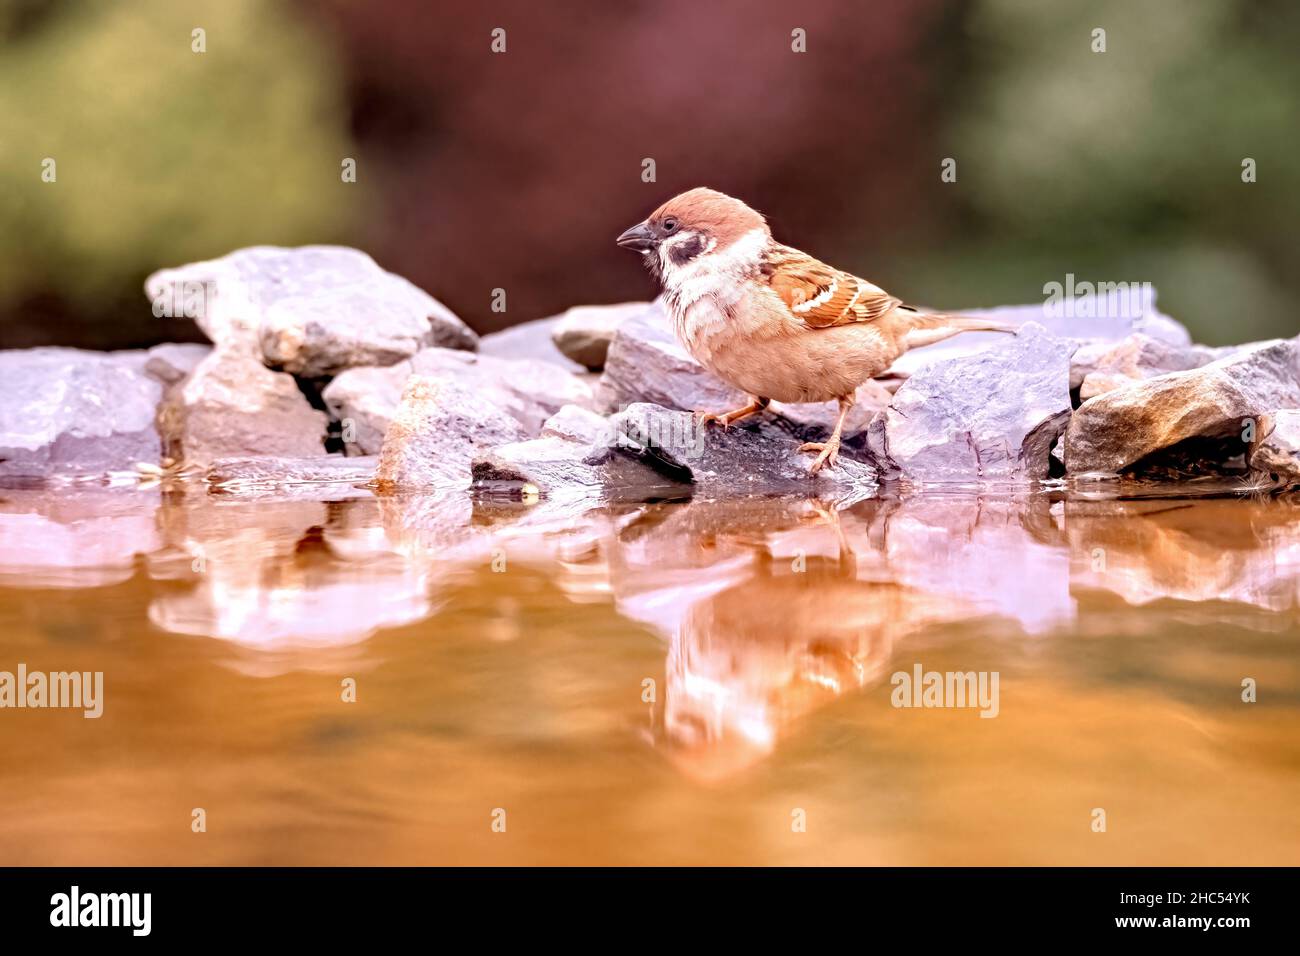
(1210, 550)
(275, 575)
(75, 538)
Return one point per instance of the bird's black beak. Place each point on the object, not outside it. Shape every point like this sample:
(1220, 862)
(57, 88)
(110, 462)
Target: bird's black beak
(639, 239)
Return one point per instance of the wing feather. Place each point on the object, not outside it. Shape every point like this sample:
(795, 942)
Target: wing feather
(822, 296)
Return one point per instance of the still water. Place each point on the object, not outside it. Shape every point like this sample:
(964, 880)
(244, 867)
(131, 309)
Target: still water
(688, 682)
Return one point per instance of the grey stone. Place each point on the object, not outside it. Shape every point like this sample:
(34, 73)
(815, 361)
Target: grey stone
(313, 310)
(528, 340)
(527, 389)
(990, 416)
(760, 457)
(66, 412)
(577, 424)
(436, 432)
(646, 363)
(584, 332)
(232, 405)
(1114, 430)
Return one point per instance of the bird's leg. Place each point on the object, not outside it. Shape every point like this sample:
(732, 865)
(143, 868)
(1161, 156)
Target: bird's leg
(726, 419)
(830, 449)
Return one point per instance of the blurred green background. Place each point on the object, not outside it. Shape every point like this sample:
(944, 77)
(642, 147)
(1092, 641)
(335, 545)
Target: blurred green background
(515, 170)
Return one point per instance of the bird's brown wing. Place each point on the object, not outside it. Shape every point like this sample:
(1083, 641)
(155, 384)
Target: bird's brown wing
(821, 296)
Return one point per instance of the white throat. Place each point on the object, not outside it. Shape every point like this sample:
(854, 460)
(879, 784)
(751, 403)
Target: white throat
(713, 272)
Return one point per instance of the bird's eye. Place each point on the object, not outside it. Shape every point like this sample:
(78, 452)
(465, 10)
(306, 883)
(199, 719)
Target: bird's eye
(670, 224)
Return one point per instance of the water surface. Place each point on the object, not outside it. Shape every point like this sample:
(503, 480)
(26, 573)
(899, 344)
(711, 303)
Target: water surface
(666, 683)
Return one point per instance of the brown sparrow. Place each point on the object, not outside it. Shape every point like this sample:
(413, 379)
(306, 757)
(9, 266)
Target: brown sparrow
(771, 320)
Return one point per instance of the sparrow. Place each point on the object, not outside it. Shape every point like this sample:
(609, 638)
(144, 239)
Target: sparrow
(772, 321)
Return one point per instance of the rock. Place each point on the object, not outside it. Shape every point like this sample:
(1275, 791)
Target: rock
(528, 340)
(232, 405)
(577, 424)
(268, 470)
(584, 332)
(991, 416)
(172, 362)
(527, 389)
(313, 310)
(1083, 320)
(66, 412)
(761, 457)
(559, 469)
(1109, 433)
(570, 460)
(647, 364)
(1141, 356)
(1276, 457)
(436, 431)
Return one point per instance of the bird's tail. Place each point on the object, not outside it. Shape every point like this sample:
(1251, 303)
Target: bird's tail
(959, 323)
(927, 328)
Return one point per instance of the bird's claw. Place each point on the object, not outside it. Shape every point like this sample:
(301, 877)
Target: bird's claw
(830, 453)
(720, 417)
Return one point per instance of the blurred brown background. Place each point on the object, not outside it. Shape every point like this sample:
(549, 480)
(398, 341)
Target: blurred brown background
(515, 170)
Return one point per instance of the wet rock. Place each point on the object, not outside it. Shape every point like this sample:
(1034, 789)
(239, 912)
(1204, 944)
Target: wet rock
(1140, 357)
(538, 466)
(313, 310)
(991, 416)
(67, 412)
(436, 432)
(584, 332)
(1114, 430)
(761, 457)
(268, 470)
(172, 362)
(528, 340)
(365, 399)
(559, 468)
(1276, 458)
(232, 405)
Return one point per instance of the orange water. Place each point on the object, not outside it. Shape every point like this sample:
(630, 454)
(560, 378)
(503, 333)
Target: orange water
(691, 682)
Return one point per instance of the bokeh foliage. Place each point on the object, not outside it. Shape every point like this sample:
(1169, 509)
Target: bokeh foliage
(163, 155)
(1126, 165)
(515, 171)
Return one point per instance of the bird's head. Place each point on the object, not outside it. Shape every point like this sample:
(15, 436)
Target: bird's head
(694, 227)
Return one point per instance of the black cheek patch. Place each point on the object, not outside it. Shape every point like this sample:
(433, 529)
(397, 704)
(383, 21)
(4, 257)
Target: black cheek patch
(686, 251)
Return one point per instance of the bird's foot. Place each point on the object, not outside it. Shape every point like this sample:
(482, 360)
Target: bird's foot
(726, 419)
(830, 452)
